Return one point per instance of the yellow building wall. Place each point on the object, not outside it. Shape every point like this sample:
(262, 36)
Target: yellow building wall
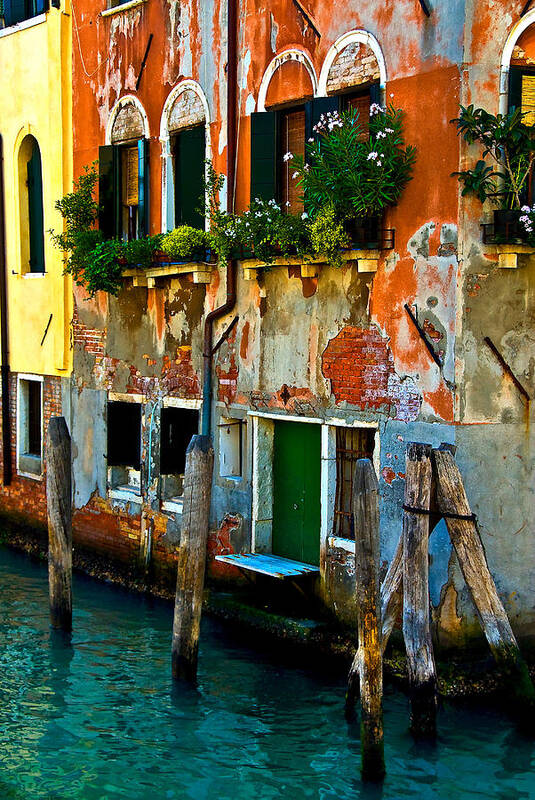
(36, 87)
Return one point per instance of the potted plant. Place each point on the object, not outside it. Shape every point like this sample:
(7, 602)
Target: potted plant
(184, 244)
(502, 174)
(352, 175)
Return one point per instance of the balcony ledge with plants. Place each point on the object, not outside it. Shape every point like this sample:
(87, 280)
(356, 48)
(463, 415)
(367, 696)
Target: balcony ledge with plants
(502, 177)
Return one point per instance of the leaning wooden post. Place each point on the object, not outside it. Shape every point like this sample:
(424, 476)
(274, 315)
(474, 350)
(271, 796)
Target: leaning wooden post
(464, 535)
(416, 627)
(192, 557)
(59, 513)
(366, 524)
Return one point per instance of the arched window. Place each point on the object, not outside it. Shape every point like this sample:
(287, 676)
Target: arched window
(185, 138)
(124, 173)
(32, 236)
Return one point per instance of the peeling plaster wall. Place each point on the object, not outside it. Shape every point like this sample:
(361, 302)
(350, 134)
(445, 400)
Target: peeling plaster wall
(339, 347)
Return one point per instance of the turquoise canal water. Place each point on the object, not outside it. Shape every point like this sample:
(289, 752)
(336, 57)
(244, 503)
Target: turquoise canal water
(100, 718)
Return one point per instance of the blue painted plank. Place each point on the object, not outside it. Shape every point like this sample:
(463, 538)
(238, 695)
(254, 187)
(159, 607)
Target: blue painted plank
(266, 564)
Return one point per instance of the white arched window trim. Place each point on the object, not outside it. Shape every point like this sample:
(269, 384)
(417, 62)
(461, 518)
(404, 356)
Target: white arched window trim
(362, 37)
(168, 189)
(128, 99)
(292, 54)
(515, 34)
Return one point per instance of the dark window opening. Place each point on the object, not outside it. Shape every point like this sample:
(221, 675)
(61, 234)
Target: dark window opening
(124, 190)
(189, 150)
(36, 234)
(34, 418)
(19, 10)
(178, 425)
(351, 444)
(291, 140)
(124, 434)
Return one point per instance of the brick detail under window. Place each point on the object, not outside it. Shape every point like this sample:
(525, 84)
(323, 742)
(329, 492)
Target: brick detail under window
(93, 340)
(354, 66)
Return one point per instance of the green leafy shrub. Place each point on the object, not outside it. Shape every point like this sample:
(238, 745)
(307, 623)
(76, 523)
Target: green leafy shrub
(268, 232)
(510, 145)
(328, 236)
(355, 174)
(185, 244)
(141, 252)
(103, 271)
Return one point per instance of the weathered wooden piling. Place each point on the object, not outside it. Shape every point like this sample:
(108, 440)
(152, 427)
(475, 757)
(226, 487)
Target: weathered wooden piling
(59, 513)
(192, 557)
(366, 524)
(416, 623)
(464, 535)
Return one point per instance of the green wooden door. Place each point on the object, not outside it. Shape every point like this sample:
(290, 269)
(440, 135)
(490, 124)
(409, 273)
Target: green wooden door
(296, 491)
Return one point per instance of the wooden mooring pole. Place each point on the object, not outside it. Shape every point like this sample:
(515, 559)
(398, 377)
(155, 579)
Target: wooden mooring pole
(192, 557)
(464, 535)
(366, 519)
(416, 622)
(59, 513)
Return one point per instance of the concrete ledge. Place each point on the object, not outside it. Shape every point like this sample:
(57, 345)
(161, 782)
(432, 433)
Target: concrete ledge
(108, 12)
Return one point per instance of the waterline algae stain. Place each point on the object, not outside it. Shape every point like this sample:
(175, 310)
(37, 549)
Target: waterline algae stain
(98, 716)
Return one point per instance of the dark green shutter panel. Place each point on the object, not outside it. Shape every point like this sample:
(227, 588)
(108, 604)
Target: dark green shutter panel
(35, 206)
(143, 187)
(375, 94)
(108, 190)
(264, 152)
(14, 11)
(515, 88)
(190, 152)
(315, 108)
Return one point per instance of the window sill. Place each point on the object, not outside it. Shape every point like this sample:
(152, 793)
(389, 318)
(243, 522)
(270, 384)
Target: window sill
(367, 261)
(174, 505)
(124, 494)
(32, 275)
(109, 12)
(201, 271)
(507, 254)
(342, 544)
(24, 25)
(32, 475)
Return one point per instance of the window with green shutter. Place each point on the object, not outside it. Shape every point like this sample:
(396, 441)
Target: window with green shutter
(35, 210)
(124, 190)
(189, 148)
(522, 96)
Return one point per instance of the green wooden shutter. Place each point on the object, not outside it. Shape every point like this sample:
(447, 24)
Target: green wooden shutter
(375, 94)
(143, 187)
(14, 11)
(190, 149)
(315, 108)
(264, 152)
(515, 88)
(108, 191)
(35, 206)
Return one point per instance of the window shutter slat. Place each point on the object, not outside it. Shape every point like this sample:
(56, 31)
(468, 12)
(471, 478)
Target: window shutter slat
(375, 94)
(264, 155)
(515, 88)
(143, 191)
(14, 11)
(189, 176)
(108, 184)
(35, 208)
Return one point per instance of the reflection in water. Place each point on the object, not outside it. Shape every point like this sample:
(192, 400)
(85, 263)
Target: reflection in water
(98, 716)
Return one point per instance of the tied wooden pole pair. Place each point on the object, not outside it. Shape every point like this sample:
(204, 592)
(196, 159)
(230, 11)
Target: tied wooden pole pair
(192, 557)
(368, 665)
(59, 514)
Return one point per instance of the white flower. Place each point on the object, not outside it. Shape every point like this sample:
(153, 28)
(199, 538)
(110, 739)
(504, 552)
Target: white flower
(524, 218)
(295, 175)
(287, 156)
(525, 209)
(311, 139)
(389, 130)
(306, 167)
(257, 200)
(372, 156)
(379, 163)
(375, 108)
(287, 203)
(381, 135)
(304, 215)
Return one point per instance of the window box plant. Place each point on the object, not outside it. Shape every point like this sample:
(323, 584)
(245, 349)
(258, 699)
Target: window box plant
(502, 174)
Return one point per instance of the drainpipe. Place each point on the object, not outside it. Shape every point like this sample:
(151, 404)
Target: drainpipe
(4, 341)
(228, 305)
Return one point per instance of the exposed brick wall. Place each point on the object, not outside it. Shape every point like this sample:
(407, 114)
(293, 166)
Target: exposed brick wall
(112, 532)
(360, 365)
(92, 340)
(355, 65)
(128, 124)
(187, 110)
(27, 496)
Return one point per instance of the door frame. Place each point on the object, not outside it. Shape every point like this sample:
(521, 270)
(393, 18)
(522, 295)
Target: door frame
(263, 425)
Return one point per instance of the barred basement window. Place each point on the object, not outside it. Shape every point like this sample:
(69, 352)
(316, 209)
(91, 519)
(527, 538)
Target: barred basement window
(351, 444)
